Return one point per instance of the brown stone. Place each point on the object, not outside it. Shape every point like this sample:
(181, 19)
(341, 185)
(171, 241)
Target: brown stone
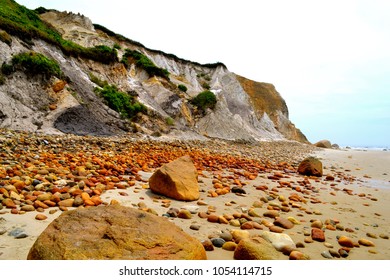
(276, 229)
(317, 234)
(114, 232)
(255, 248)
(177, 179)
(66, 203)
(366, 242)
(310, 166)
(58, 85)
(346, 242)
(324, 144)
(9, 203)
(40, 217)
(284, 223)
(296, 255)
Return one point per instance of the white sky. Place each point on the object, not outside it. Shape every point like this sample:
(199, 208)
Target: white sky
(330, 60)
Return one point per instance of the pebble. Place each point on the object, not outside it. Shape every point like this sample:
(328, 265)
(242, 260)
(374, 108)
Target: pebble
(345, 241)
(284, 223)
(271, 214)
(276, 229)
(294, 220)
(366, 242)
(229, 246)
(235, 223)
(208, 245)
(318, 235)
(27, 208)
(372, 235)
(326, 254)
(296, 255)
(334, 254)
(227, 236)
(212, 218)
(328, 245)
(184, 214)
(40, 217)
(195, 227)
(218, 242)
(343, 253)
(384, 236)
(238, 235)
(317, 224)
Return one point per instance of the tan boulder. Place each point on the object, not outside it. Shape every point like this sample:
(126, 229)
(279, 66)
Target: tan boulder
(310, 166)
(256, 248)
(324, 144)
(114, 233)
(177, 179)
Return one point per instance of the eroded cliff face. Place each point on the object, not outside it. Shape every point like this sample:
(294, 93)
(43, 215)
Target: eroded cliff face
(266, 100)
(245, 110)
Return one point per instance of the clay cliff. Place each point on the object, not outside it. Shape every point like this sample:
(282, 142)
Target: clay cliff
(97, 67)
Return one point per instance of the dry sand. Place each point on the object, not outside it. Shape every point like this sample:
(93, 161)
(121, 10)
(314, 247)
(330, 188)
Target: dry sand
(362, 172)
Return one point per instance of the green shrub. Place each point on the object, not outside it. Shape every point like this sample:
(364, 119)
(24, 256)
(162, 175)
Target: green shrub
(145, 63)
(2, 79)
(169, 121)
(121, 102)
(7, 69)
(97, 81)
(5, 37)
(35, 63)
(116, 46)
(183, 88)
(204, 100)
(206, 86)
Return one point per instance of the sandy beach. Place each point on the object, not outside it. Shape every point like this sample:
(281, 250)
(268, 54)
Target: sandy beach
(352, 199)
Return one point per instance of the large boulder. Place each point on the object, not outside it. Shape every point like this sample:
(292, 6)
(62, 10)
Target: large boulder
(256, 248)
(310, 166)
(324, 144)
(177, 179)
(114, 233)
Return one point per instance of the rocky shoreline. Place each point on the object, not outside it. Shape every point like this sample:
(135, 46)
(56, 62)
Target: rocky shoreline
(43, 175)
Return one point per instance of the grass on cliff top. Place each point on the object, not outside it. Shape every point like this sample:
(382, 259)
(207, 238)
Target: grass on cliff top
(26, 24)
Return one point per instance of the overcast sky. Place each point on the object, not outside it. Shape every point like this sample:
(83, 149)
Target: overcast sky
(330, 60)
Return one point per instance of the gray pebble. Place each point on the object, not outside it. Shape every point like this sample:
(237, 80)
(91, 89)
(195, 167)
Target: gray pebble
(326, 255)
(218, 242)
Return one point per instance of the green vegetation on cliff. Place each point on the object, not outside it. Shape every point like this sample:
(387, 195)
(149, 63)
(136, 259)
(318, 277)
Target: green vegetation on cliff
(145, 63)
(32, 63)
(205, 99)
(26, 24)
(120, 102)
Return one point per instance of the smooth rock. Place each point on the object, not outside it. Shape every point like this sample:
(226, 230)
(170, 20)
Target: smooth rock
(177, 179)
(310, 166)
(278, 240)
(326, 255)
(255, 248)
(345, 241)
(218, 242)
(284, 223)
(40, 217)
(271, 214)
(229, 246)
(317, 234)
(208, 245)
(296, 255)
(114, 232)
(238, 235)
(184, 214)
(366, 242)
